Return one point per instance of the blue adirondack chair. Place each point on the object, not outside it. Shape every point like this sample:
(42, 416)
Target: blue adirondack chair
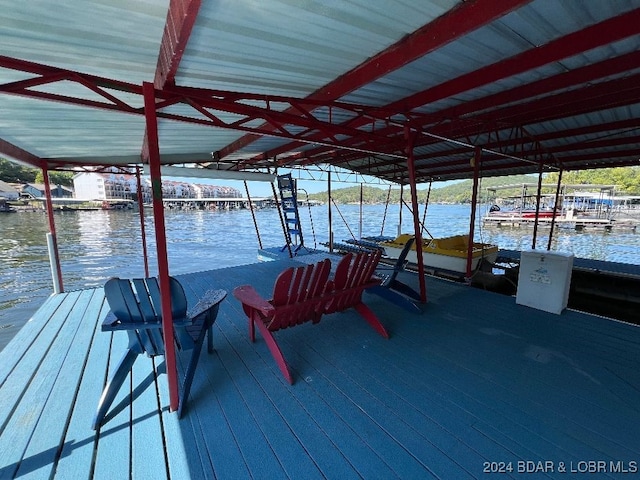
(136, 308)
(393, 289)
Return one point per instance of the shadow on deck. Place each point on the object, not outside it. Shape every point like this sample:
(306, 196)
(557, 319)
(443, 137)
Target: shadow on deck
(475, 379)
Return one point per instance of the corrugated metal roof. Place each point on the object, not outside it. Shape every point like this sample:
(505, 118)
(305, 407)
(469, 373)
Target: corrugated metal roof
(527, 79)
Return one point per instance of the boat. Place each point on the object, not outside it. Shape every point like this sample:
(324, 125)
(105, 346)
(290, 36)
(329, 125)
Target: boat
(448, 253)
(5, 207)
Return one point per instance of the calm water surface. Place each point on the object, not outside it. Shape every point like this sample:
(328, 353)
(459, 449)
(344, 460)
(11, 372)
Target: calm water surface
(96, 245)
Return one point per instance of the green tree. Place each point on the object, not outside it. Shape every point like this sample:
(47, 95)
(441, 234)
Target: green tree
(56, 178)
(13, 173)
(626, 179)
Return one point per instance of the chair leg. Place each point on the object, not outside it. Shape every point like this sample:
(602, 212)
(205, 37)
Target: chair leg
(252, 331)
(394, 297)
(191, 370)
(275, 350)
(113, 386)
(371, 318)
(405, 289)
(210, 348)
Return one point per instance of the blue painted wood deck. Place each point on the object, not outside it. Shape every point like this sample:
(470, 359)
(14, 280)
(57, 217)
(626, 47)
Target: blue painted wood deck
(474, 379)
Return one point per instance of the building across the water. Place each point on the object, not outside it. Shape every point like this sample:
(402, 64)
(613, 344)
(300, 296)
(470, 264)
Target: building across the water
(36, 191)
(121, 186)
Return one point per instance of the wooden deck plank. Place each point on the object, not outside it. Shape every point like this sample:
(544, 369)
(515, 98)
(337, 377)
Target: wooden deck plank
(113, 452)
(148, 455)
(321, 449)
(27, 335)
(423, 439)
(34, 392)
(411, 404)
(257, 454)
(14, 387)
(80, 443)
(184, 443)
(49, 434)
(556, 396)
(548, 388)
(334, 419)
(281, 439)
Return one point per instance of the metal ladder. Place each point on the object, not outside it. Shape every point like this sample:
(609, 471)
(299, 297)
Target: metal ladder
(289, 203)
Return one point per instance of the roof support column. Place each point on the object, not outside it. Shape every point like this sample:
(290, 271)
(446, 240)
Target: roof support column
(54, 256)
(253, 214)
(537, 218)
(143, 234)
(161, 242)
(555, 209)
(399, 231)
(477, 154)
(410, 138)
(329, 216)
(361, 212)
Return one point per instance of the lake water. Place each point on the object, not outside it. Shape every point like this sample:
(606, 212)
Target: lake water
(96, 245)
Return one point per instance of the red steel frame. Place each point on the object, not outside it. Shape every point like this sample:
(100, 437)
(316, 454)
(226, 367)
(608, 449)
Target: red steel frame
(410, 137)
(463, 19)
(597, 35)
(161, 242)
(477, 159)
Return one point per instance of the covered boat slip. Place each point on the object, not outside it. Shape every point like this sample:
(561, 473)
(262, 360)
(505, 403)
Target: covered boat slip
(473, 381)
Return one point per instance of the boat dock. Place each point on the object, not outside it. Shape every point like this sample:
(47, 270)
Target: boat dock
(474, 384)
(577, 223)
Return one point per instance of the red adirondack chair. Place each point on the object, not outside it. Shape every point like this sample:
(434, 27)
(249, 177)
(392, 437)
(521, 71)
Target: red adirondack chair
(305, 293)
(354, 274)
(298, 297)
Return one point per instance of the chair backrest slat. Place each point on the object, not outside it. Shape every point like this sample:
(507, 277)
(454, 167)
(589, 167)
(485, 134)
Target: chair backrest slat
(144, 302)
(154, 294)
(354, 274)
(282, 287)
(122, 301)
(297, 295)
(178, 299)
(144, 305)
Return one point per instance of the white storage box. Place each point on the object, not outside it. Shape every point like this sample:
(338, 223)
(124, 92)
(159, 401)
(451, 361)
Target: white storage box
(544, 280)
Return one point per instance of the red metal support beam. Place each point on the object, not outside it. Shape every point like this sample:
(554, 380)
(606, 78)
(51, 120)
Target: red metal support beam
(410, 137)
(181, 17)
(161, 243)
(477, 158)
(536, 222)
(595, 36)
(466, 17)
(555, 209)
(604, 95)
(17, 153)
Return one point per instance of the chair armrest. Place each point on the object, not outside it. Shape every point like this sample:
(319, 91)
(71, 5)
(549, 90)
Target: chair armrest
(112, 323)
(248, 296)
(209, 300)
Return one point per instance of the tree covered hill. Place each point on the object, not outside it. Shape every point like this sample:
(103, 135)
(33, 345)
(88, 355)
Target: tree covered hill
(626, 180)
(13, 173)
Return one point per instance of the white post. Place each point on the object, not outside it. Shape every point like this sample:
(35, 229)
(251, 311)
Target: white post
(53, 261)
